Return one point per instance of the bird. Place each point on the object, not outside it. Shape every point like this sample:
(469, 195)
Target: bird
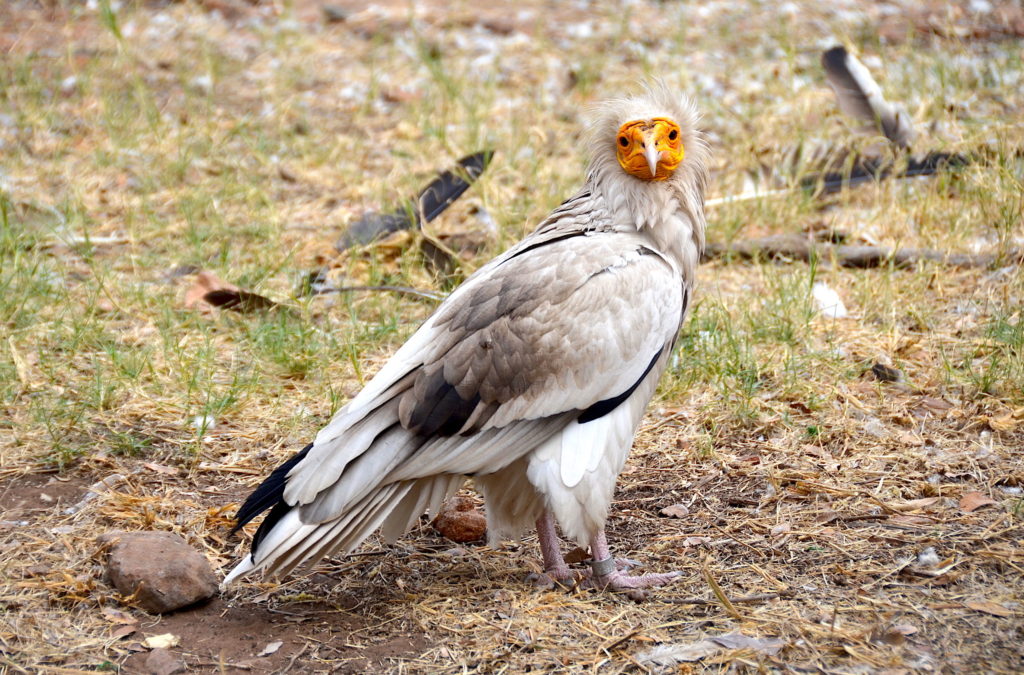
(531, 377)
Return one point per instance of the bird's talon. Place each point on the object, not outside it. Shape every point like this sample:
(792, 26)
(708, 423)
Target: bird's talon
(633, 587)
(550, 578)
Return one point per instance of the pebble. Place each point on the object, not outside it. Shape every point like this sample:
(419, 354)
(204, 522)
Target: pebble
(163, 662)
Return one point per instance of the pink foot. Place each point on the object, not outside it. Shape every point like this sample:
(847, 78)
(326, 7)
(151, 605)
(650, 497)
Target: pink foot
(608, 573)
(556, 571)
(634, 587)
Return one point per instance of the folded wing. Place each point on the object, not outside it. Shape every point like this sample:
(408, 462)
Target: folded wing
(559, 328)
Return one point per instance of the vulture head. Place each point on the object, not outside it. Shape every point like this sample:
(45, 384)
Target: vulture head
(649, 159)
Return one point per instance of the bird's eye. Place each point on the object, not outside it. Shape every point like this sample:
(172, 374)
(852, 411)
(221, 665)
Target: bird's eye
(673, 135)
(623, 141)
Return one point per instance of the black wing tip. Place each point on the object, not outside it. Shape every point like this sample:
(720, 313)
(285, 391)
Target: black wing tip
(602, 408)
(276, 514)
(269, 493)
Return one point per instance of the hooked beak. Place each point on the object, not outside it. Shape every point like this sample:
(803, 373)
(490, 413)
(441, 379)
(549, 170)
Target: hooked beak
(652, 154)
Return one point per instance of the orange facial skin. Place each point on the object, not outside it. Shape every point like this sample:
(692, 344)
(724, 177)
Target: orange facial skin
(643, 143)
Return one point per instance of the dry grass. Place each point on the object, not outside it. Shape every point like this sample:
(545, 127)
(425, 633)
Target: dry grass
(141, 137)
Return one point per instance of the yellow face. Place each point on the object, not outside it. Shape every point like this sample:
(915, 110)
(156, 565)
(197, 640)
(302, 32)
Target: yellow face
(650, 149)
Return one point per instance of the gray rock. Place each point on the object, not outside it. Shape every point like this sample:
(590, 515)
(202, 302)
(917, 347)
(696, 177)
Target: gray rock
(163, 662)
(159, 569)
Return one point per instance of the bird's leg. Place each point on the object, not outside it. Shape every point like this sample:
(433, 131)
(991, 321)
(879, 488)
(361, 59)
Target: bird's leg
(607, 575)
(555, 569)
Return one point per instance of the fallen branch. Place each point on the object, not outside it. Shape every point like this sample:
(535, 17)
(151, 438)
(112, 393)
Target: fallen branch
(797, 247)
(402, 290)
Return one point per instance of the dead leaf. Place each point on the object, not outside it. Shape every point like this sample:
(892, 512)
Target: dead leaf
(914, 504)
(204, 283)
(123, 631)
(238, 300)
(212, 290)
(117, 616)
(160, 468)
(271, 648)
(163, 641)
(1007, 422)
(781, 528)
(892, 635)
(675, 511)
(972, 501)
(577, 555)
(696, 541)
(929, 405)
(988, 607)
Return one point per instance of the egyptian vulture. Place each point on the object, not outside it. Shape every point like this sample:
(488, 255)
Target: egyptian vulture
(531, 377)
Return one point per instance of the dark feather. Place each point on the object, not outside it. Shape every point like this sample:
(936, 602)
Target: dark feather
(860, 96)
(874, 169)
(439, 409)
(276, 514)
(602, 408)
(269, 493)
(372, 226)
(432, 200)
(449, 185)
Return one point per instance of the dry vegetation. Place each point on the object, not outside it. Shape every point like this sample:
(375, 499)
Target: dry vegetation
(849, 524)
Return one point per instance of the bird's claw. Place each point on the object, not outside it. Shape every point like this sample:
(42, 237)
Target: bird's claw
(556, 576)
(636, 588)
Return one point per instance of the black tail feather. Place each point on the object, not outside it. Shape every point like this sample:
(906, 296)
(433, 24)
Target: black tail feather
(269, 493)
(276, 514)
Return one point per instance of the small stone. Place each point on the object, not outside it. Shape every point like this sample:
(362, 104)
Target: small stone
(159, 569)
(334, 13)
(459, 520)
(163, 662)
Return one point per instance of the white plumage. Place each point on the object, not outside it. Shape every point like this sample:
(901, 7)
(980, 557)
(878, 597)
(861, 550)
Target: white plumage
(531, 377)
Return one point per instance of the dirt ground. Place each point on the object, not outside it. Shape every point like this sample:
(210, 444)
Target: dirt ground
(832, 522)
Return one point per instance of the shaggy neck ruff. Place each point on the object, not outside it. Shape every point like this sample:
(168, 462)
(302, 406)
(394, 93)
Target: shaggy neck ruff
(671, 212)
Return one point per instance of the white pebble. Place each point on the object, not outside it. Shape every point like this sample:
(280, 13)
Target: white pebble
(204, 422)
(828, 301)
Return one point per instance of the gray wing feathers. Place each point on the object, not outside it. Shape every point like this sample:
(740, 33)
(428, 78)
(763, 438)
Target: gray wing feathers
(352, 432)
(425, 496)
